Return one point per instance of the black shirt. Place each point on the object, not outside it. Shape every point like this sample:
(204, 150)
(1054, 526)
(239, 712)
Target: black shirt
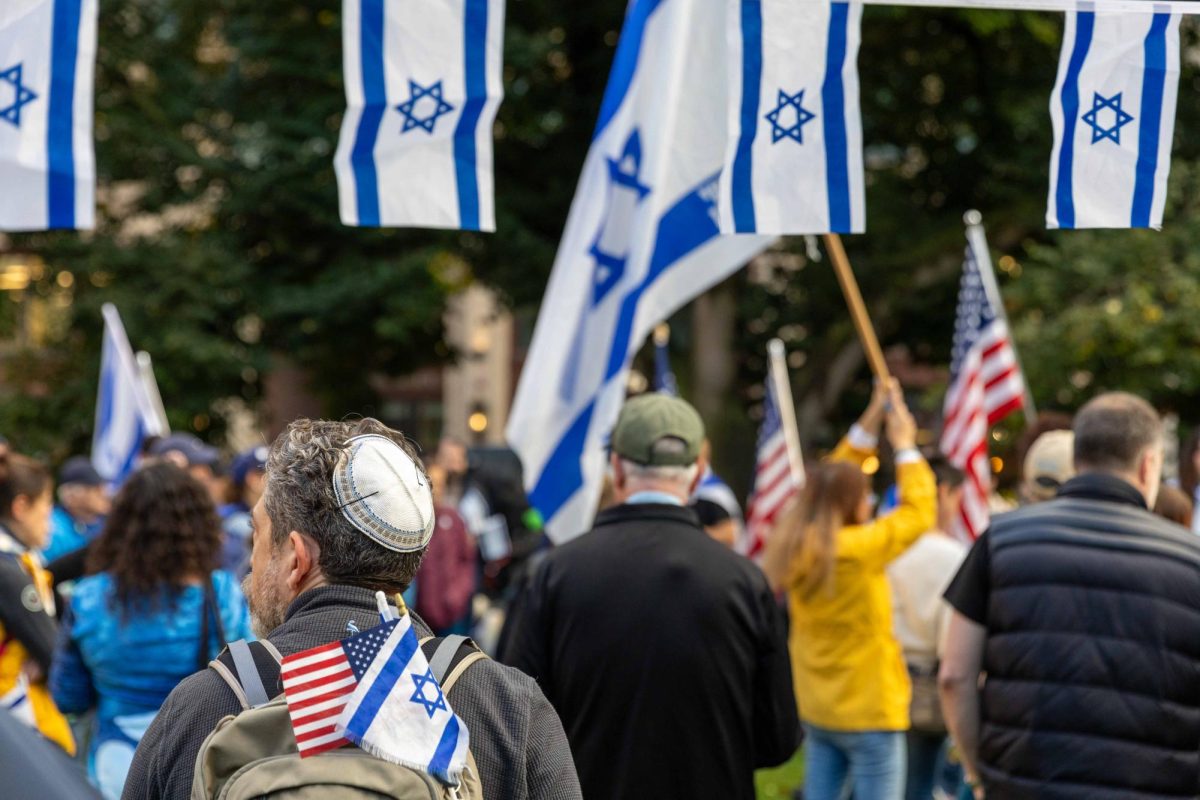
(968, 593)
(665, 655)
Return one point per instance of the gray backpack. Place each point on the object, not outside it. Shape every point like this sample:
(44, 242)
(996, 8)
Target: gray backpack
(253, 754)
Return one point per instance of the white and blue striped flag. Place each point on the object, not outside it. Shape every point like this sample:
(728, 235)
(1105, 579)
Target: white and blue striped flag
(1113, 110)
(47, 167)
(423, 85)
(125, 413)
(398, 710)
(641, 240)
(794, 162)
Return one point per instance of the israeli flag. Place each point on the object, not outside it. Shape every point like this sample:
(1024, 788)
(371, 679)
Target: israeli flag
(1113, 110)
(398, 711)
(422, 88)
(47, 167)
(794, 162)
(125, 413)
(641, 240)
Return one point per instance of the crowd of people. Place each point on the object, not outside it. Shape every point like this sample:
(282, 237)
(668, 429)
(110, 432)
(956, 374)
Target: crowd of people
(1053, 657)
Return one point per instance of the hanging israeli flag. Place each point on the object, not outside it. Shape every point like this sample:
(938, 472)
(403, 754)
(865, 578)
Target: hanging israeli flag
(641, 240)
(1113, 110)
(422, 88)
(794, 161)
(125, 413)
(47, 167)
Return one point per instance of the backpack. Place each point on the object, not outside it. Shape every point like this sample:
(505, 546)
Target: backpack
(254, 755)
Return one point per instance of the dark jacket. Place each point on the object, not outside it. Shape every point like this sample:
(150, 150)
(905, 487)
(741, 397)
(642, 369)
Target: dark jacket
(1093, 650)
(666, 657)
(516, 738)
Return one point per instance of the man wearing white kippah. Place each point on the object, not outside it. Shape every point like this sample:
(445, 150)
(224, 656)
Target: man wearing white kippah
(347, 511)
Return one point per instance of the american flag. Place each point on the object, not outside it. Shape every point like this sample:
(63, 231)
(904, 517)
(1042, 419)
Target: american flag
(985, 387)
(774, 482)
(317, 684)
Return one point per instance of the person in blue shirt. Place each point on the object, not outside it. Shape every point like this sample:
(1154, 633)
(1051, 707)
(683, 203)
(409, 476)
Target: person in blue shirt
(153, 610)
(247, 477)
(83, 502)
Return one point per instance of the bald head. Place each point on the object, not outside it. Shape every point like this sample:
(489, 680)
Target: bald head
(1121, 434)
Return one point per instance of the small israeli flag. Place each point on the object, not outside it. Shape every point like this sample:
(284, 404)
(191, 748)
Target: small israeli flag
(422, 88)
(398, 711)
(794, 160)
(1113, 110)
(47, 167)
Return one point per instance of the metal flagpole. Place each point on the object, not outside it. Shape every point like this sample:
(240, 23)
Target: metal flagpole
(858, 309)
(787, 409)
(977, 239)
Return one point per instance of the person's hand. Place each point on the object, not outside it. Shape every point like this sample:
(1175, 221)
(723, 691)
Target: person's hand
(872, 419)
(901, 427)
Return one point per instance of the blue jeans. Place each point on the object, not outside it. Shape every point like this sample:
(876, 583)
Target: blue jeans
(867, 764)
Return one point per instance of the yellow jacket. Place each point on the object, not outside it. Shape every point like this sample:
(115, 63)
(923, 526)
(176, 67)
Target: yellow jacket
(846, 663)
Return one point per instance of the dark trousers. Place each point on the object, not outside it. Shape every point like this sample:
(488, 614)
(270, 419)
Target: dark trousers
(925, 756)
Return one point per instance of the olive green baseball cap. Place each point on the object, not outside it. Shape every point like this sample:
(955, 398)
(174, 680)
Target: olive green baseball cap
(657, 430)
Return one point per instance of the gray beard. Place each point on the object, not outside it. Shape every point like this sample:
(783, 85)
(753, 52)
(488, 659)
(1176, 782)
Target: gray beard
(267, 604)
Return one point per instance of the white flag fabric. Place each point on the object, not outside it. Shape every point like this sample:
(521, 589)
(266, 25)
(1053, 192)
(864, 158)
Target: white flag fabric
(794, 162)
(1113, 110)
(641, 240)
(423, 85)
(47, 166)
(125, 414)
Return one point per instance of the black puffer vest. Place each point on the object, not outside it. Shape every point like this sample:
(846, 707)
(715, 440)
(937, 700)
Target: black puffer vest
(1093, 650)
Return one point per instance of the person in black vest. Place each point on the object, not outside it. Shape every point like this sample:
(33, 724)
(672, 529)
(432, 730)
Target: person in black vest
(663, 651)
(1083, 613)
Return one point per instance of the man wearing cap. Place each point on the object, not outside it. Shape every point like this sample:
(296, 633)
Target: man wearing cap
(193, 455)
(1049, 464)
(347, 511)
(247, 475)
(83, 502)
(664, 652)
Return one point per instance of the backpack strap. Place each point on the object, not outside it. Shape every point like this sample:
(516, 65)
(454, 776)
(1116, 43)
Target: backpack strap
(447, 649)
(444, 658)
(238, 667)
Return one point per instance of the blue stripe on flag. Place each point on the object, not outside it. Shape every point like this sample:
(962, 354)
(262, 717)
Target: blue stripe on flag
(1065, 187)
(362, 156)
(1150, 127)
(743, 188)
(629, 50)
(385, 681)
(440, 764)
(475, 50)
(833, 101)
(60, 127)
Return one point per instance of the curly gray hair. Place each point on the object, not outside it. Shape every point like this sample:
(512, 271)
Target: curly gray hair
(299, 497)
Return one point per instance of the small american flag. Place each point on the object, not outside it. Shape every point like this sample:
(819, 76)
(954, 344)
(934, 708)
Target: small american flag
(775, 484)
(317, 684)
(986, 386)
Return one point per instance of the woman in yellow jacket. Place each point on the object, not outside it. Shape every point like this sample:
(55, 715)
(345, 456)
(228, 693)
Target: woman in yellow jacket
(828, 555)
(27, 628)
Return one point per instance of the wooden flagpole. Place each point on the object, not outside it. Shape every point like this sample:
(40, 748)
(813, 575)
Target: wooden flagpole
(858, 309)
(777, 360)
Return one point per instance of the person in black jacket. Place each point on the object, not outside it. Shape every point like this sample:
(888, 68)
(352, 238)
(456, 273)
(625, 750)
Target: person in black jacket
(663, 651)
(1083, 613)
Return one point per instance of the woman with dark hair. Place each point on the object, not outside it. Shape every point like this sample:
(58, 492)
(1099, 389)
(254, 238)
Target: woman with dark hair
(153, 610)
(27, 627)
(830, 557)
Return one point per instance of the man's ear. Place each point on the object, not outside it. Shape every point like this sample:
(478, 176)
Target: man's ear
(618, 471)
(701, 468)
(301, 560)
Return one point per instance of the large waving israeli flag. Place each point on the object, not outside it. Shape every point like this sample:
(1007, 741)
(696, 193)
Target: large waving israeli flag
(794, 162)
(125, 412)
(1113, 110)
(422, 88)
(47, 167)
(641, 240)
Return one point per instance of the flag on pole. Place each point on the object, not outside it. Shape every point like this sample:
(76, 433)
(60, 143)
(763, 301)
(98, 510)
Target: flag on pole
(794, 161)
(664, 377)
(47, 167)
(641, 240)
(423, 85)
(125, 414)
(1113, 110)
(775, 481)
(986, 386)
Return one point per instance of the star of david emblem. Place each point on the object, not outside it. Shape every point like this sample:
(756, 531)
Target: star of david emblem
(789, 117)
(625, 193)
(431, 706)
(425, 104)
(1119, 117)
(20, 94)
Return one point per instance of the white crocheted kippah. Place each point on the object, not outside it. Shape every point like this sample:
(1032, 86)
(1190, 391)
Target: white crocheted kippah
(383, 493)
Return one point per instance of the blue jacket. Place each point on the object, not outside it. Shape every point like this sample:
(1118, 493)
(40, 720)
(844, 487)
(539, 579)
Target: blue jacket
(68, 535)
(130, 666)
